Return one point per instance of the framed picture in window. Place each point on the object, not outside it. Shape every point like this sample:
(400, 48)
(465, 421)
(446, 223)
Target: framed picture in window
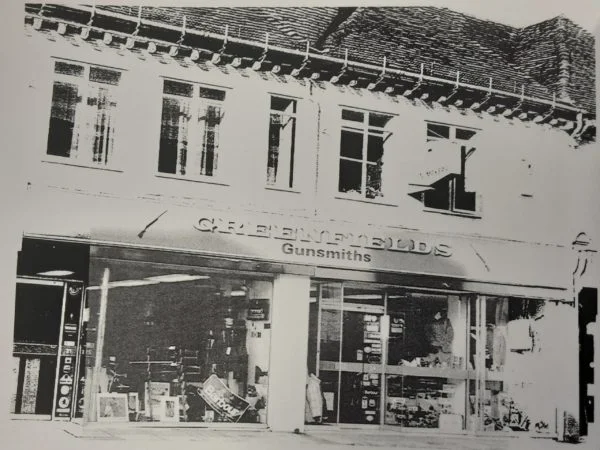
(112, 407)
(133, 403)
(169, 409)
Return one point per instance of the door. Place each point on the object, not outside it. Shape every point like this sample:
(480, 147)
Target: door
(46, 344)
(38, 314)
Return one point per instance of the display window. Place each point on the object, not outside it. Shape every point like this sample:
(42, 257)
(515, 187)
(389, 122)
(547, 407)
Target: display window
(177, 344)
(511, 360)
(388, 356)
(417, 359)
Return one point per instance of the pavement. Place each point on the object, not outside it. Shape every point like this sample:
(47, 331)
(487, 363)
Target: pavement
(29, 435)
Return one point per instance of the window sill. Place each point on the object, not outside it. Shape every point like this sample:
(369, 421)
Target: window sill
(84, 166)
(206, 180)
(365, 200)
(275, 188)
(473, 215)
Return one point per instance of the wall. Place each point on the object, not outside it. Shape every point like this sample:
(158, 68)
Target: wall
(503, 146)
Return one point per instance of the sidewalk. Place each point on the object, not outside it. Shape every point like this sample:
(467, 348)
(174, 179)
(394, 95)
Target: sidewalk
(28, 435)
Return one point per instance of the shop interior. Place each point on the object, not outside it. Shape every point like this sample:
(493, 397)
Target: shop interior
(180, 344)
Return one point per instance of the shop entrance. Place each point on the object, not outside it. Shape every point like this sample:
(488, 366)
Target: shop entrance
(46, 348)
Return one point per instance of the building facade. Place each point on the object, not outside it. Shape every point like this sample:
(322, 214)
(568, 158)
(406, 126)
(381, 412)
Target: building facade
(239, 216)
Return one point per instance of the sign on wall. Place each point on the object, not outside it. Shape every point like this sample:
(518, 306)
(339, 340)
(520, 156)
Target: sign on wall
(68, 356)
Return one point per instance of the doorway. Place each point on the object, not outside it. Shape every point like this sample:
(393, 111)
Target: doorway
(46, 348)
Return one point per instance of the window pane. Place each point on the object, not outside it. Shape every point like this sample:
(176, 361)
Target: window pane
(106, 76)
(283, 104)
(62, 119)
(212, 94)
(351, 144)
(177, 88)
(102, 129)
(378, 120)
(281, 150)
(173, 136)
(374, 181)
(210, 141)
(464, 134)
(355, 116)
(68, 69)
(439, 196)
(438, 131)
(350, 176)
(273, 155)
(375, 147)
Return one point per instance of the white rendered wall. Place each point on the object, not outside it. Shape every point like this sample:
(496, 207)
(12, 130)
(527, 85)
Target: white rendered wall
(289, 348)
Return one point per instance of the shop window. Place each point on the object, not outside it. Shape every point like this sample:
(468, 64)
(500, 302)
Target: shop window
(190, 126)
(362, 145)
(424, 368)
(82, 115)
(514, 396)
(282, 142)
(448, 192)
(181, 344)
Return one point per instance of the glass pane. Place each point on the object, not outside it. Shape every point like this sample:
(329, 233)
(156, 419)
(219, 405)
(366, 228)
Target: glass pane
(210, 142)
(331, 322)
(438, 131)
(354, 116)
(351, 145)
(68, 69)
(350, 176)
(360, 397)
(374, 180)
(430, 331)
(283, 104)
(439, 196)
(105, 76)
(212, 94)
(464, 134)
(282, 129)
(103, 128)
(178, 88)
(174, 136)
(375, 147)
(62, 119)
(175, 334)
(378, 120)
(425, 402)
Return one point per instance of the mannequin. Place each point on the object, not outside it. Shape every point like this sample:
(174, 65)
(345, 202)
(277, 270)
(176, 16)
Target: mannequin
(440, 335)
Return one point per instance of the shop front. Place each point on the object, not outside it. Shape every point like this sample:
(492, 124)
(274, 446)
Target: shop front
(211, 317)
(415, 359)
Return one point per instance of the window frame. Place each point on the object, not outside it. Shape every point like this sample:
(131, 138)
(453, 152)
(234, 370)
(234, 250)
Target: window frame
(366, 130)
(195, 133)
(83, 154)
(453, 181)
(290, 183)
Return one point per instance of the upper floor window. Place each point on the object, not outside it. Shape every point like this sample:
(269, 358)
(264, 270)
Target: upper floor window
(282, 140)
(448, 154)
(82, 117)
(362, 145)
(190, 126)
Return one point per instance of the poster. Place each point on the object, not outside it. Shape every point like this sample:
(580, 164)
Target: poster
(30, 385)
(222, 400)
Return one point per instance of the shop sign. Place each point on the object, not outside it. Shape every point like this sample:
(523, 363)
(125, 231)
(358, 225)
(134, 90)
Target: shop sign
(222, 400)
(324, 243)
